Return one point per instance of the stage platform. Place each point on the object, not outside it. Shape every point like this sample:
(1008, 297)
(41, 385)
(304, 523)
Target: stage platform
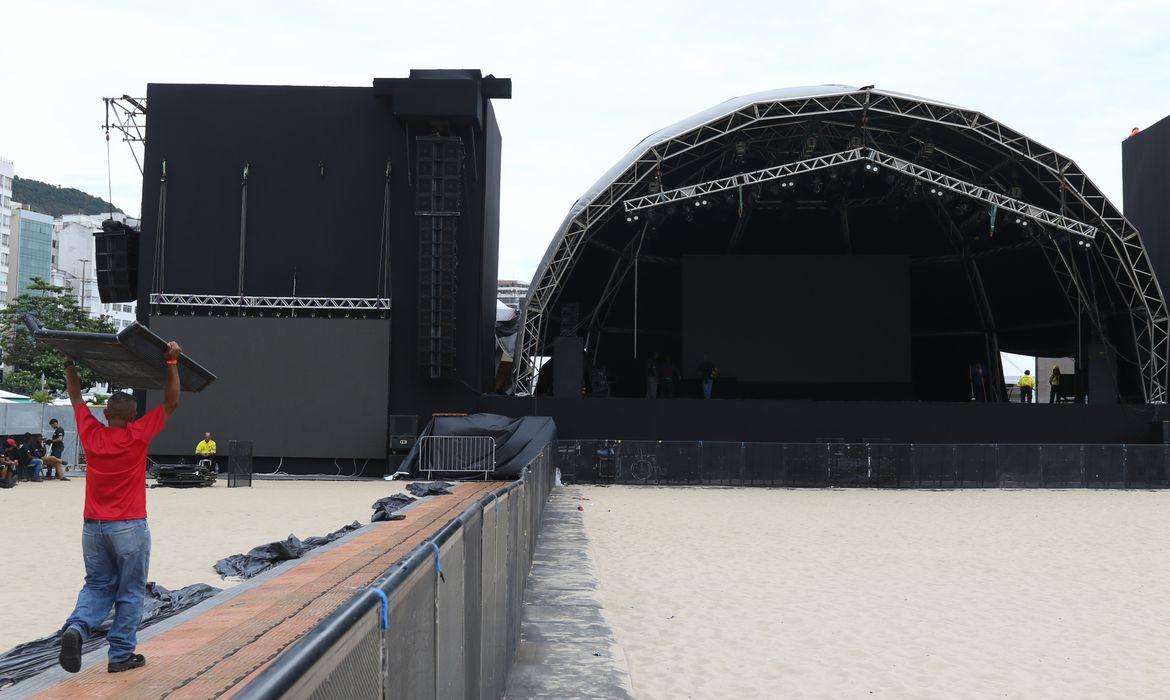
(231, 638)
(736, 420)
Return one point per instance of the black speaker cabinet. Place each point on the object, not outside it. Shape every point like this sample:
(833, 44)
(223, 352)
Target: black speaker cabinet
(116, 264)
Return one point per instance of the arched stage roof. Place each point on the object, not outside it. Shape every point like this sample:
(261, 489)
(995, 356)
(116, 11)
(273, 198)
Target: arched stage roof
(1096, 259)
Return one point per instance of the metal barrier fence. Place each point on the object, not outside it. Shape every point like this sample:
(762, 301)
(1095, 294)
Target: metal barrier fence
(451, 618)
(873, 465)
(457, 454)
(239, 463)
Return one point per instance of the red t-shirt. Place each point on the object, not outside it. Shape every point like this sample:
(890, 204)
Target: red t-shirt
(115, 472)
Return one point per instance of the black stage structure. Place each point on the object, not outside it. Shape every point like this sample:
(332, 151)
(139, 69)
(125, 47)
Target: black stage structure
(846, 256)
(331, 251)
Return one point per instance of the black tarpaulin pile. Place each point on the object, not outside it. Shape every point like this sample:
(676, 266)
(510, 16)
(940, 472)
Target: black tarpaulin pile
(29, 659)
(262, 558)
(384, 508)
(429, 488)
(518, 440)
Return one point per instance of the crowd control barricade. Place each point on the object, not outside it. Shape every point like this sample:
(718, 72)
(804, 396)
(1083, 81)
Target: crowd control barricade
(457, 454)
(443, 622)
(864, 464)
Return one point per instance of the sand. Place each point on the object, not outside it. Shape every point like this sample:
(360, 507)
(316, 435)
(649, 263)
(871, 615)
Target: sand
(190, 529)
(746, 593)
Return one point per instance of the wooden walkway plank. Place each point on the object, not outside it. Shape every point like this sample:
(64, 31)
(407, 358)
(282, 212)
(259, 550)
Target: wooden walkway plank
(214, 653)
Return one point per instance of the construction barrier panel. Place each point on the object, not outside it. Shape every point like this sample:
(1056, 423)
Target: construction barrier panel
(872, 465)
(443, 622)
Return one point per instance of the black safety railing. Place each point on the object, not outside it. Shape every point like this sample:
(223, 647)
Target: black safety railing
(443, 622)
(874, 465)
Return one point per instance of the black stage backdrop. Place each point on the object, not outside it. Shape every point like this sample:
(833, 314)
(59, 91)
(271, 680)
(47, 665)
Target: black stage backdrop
(799, 319)
(304, 387)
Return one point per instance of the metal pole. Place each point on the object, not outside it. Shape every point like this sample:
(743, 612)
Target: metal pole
(81, 294)
(243, 226)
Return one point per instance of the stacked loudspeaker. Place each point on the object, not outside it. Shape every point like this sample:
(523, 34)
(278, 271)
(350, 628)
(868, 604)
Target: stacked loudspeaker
(438, 205)
(116, 262)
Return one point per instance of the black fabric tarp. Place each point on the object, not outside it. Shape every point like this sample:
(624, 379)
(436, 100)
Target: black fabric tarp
(518, 440)
(429, 488)
(262, 558)
(385, 508)
(29, 659)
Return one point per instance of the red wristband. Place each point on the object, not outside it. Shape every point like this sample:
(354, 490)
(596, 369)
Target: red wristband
(172, 362)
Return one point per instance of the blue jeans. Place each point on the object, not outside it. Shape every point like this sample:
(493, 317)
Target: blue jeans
(117, 557)
(34, 469)
(707, 385)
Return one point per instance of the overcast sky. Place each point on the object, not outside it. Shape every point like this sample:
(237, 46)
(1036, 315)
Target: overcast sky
(589, 79)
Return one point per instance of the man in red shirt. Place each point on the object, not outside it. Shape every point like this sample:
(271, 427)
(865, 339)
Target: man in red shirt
(115, 539)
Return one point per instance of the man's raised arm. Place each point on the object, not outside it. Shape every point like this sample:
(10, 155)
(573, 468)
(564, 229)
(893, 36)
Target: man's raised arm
(73, 382)
(171, 395)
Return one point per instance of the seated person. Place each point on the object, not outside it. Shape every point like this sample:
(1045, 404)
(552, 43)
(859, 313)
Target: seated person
(8, 467)
(52, 464)
(29, 455)
(206, 449)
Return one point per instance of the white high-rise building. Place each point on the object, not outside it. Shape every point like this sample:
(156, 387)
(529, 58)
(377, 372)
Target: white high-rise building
(511, 292)
(74, 267)
(7, 171)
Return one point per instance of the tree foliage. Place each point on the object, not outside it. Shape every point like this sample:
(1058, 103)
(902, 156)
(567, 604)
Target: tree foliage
(54, 308)
(57, 201)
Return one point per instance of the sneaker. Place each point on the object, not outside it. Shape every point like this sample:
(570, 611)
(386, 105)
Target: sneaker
(135, 661)
(64, 478)
(70, 656)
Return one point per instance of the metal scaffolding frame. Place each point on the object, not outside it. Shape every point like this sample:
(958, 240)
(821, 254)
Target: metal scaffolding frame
(829, 114)
(127, 116)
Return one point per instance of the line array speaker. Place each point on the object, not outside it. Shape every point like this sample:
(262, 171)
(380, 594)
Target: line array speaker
(116, 262)
(438, 205)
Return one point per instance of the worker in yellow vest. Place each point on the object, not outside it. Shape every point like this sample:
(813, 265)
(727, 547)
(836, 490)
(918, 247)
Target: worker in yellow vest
(1027, 386)
(206, 449)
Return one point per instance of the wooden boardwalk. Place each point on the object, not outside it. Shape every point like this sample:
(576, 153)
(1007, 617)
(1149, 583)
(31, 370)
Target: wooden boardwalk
(213, 654)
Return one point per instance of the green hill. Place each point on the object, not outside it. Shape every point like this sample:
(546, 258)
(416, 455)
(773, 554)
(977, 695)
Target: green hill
(57, 201)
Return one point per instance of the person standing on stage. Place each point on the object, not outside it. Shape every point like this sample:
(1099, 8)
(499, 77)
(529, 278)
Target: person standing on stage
(652, 377)
(115, 538)
(707, 373)
(1027, 384)
(666, 376)
(1055, 393)
(978, 382)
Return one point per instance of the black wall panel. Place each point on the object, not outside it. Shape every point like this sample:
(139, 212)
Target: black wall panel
(295, 387)
(1146, 175)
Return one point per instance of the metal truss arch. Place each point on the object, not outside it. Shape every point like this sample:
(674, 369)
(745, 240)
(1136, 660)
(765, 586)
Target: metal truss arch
(852, 110)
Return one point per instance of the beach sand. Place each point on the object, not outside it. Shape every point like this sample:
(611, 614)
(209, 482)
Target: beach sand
(746, 593)
(190, 529)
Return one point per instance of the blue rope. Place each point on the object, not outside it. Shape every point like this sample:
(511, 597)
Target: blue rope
(385, 621)
(438, 566)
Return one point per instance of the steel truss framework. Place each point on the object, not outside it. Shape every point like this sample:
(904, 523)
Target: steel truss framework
(869, 155)
(219, 301)
(127, 116)
(845, 114)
